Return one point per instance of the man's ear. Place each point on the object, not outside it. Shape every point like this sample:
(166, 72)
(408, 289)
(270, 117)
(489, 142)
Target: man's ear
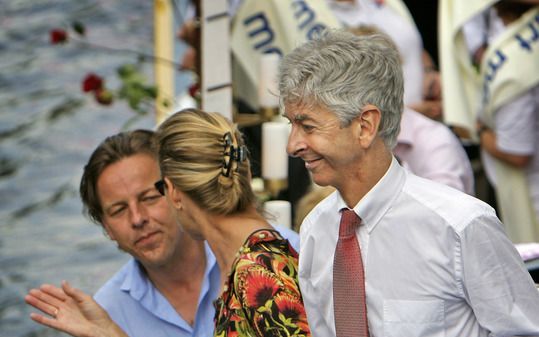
(369, 122)
(176, 196)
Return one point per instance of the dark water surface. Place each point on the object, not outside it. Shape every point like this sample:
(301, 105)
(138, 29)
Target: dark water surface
(48, 128)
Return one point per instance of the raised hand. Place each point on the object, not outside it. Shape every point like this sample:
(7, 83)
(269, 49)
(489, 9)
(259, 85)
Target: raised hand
(72, 311)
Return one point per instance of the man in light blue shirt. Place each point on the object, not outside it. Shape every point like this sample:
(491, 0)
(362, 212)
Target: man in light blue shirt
(168, 286)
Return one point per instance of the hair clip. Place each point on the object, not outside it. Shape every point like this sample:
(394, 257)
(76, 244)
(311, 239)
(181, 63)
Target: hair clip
(227, 154)
(232, 154)
(227, 139)
(239, 154)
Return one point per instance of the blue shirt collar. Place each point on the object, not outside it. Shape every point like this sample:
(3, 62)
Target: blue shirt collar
(140, 288)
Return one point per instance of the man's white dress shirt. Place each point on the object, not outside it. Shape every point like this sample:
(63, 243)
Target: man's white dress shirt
(437, 263)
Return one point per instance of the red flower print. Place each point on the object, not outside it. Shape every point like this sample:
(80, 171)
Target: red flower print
(292, 307)
(58, 36)
(259, 287)
(290, 284)
(232, 333)
(289, 306)
(92, 82)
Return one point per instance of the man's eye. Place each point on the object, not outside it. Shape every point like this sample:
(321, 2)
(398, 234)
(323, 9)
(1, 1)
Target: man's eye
(152, 197)
(307, 127)
(116, 211)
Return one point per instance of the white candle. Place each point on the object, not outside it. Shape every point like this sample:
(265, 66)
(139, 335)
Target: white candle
(274, 156)
(267, 90)
(281, 210)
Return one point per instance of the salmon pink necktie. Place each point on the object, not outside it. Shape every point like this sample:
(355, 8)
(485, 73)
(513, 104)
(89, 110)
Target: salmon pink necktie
(349, 280)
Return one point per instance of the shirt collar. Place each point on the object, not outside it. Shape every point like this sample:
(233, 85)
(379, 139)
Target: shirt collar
(138, 284)
(372, 207)
(135, 281)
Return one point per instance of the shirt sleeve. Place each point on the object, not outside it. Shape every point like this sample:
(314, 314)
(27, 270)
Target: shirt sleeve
(270, 298)
(515, 125)
(495, 281)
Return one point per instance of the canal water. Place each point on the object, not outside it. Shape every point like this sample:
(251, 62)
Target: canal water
(48, 128)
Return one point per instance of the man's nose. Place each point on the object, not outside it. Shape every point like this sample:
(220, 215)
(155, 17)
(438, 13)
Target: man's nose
(139, 216)
(295, 144)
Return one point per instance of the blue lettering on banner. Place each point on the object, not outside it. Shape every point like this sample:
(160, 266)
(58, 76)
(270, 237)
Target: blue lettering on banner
(494, 64)
(302, 9)
(527, 40)
(261, 33)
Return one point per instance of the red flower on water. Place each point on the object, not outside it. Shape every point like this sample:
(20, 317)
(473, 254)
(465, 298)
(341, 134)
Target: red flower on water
(58, 36)
(92, 82)
(194, 90)
(260, 286)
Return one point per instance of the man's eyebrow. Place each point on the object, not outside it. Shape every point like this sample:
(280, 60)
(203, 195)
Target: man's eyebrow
(298, 118)
(139, 195)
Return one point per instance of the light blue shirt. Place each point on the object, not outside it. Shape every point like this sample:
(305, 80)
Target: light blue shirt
(142, 311)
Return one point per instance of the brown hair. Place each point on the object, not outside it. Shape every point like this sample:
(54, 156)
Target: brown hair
(111, 150)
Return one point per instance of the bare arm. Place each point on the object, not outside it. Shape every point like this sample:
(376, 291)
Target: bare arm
(488, 143)
(72, 311)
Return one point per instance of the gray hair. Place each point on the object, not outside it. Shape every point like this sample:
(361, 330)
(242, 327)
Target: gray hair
(344, 72)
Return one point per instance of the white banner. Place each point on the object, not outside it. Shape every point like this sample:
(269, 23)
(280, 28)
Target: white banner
(272, 26)
(460, 81)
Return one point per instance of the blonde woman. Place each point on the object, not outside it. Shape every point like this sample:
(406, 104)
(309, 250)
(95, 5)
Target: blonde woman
(206, 180)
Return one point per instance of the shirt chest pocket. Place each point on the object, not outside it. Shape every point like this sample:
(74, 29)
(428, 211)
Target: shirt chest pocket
(414, 318)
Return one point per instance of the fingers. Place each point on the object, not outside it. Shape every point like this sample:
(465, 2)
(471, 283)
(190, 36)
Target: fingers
(33, 299)
(50, 322)
(42, 299)
(54, 291)
(76, 294)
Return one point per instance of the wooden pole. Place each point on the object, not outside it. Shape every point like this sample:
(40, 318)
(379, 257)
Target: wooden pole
(163, 49)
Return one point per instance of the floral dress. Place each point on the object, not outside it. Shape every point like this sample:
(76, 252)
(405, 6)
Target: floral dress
(261, 296)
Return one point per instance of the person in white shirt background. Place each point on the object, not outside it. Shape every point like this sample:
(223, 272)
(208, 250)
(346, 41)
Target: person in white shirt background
(437, 261)
(513, 137)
